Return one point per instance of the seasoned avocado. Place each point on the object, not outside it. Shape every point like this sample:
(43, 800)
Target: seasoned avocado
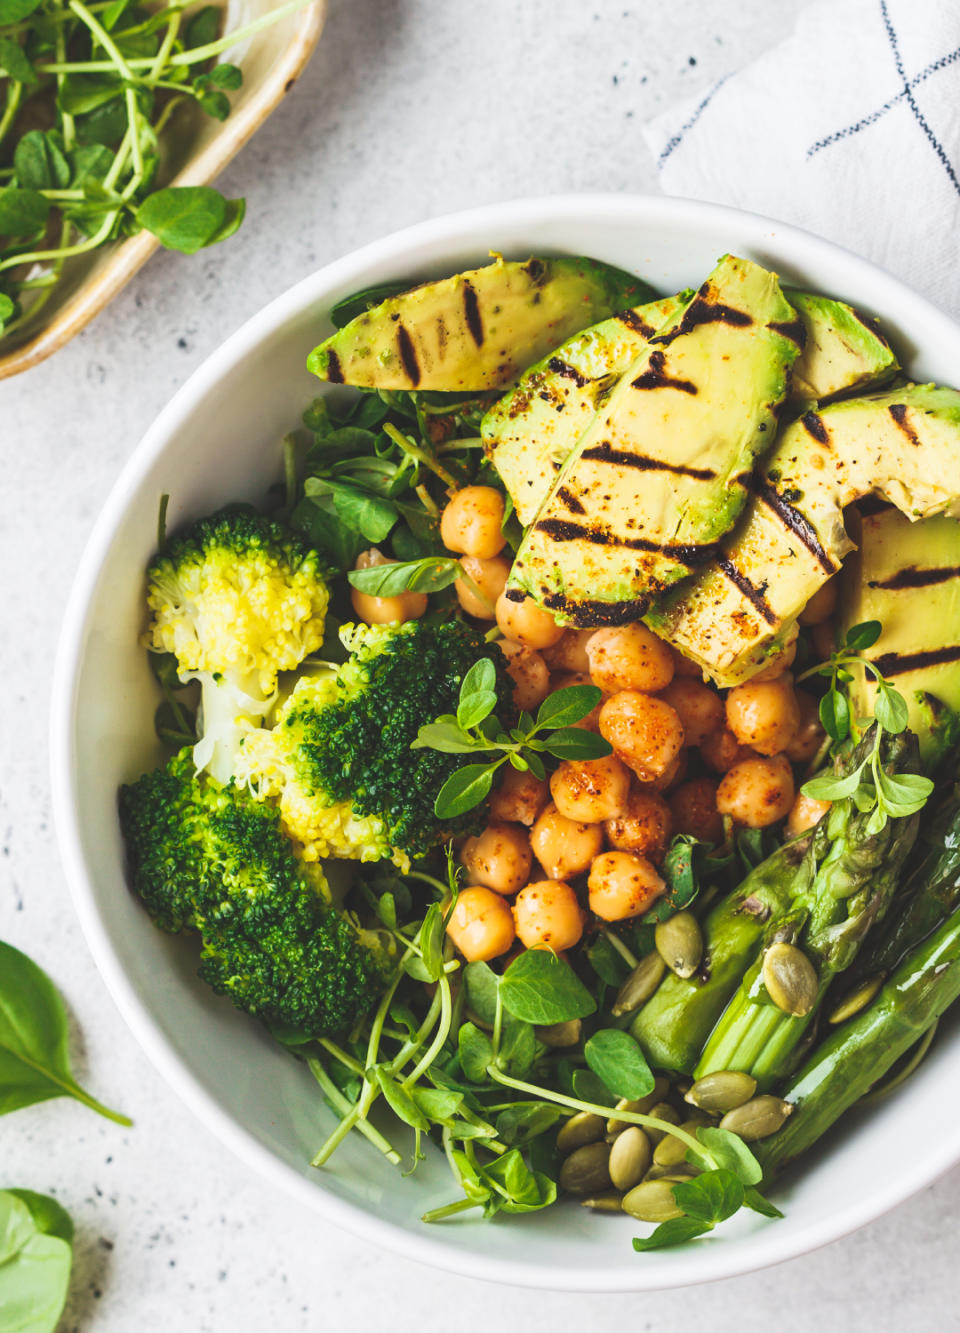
(476, 330)
(903, 445)
(660, 472)
(907, 576)
(844, 350)
(531, 431)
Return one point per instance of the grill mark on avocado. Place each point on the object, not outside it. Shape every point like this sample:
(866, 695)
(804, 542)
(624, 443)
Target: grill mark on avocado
(813, 425)
(754, 595)
(898, 664)
(334, 369)
(656, 378)
(570, 500)
(605, 453)
(792, 518)
(563, 530)
(899, 413)
(536, 270)
(595, 614)
(408, 356)
(914, 577)
(870, 505)
(872, 325)
(701, 311)
(790, 328)
(568, 372)
(634, 321)
(471, 310)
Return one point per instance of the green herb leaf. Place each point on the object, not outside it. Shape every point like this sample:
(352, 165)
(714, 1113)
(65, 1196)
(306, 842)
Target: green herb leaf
(522, 1190)
(610, 966)
(14, 62)
(22, 212)
(344, 311)
(518, 1048)
(864, 635)
(7, 309)
(589, 1087)
(12, 11)
(616, 1057)
(428, 575)
(35, 1260)
(576, 743)
(476, 1052)
(475, 707)
(369, 515)
(431, 941)
(675, 1232)
(711, 1197)
(540, 988)
(728, 1152)
(183, 217)
(446, 737)
(228, 77)
(482, 985)
(464, 789)
(527, 1120)
(835, 714)
(566, 706)
(680, 873)
(752, 1198)
(890, 709)
(204, 26)
(481, 678)
(828, 787)
(34, 1059)
(400, 1101)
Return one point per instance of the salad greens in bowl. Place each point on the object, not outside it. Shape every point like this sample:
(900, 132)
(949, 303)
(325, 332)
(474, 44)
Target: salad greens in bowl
(528, 661)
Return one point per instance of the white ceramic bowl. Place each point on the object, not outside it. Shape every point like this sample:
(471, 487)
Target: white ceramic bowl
(218, 440)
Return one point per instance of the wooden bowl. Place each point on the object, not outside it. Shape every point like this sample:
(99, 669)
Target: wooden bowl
(196, 148)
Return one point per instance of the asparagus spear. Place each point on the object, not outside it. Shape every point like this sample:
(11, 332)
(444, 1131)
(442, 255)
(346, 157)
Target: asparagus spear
(857, 1055)
(855, 879)
(674, 1024)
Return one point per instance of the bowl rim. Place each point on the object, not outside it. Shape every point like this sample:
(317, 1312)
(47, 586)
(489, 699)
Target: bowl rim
(703, 1263)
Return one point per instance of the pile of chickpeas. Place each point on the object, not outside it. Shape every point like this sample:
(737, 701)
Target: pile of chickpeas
(684, 757)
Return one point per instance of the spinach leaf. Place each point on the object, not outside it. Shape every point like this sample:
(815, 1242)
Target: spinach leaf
(350, 306)
(616, 1058)
(540, 988)
(34, 1059)
(729, 1152)
(22, 212)
(476, 1052)
(184, 217)
(35, 1260)
(675, 1232)
(711, 1197)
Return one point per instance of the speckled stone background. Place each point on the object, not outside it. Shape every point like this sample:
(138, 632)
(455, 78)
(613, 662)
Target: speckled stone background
(410, 108)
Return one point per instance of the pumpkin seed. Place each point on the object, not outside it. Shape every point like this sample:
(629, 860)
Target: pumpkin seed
(639, 1106)
(856, 1000)
(662, 1111)
(630, 1158)
(679, 942)
(671, 1150)
(680, 1171)
(560, 1034)
(722, 1091)
(603, 1203)
(652, 1201)
(587, 1170)
(640, 984)
(790, 978)
(580, 1129)
(757, 1118)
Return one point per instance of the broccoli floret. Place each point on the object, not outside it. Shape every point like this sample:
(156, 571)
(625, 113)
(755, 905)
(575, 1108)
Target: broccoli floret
(236, 597)
(213, 858)
(339, 755)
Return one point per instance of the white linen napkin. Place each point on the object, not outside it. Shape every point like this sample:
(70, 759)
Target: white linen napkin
(850, 128)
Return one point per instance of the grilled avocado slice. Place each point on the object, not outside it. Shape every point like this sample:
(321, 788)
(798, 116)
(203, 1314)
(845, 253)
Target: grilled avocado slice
(477, 330)
(530, 433)
(844, 350)
(907, 576)
(903, 445)
(660, 472)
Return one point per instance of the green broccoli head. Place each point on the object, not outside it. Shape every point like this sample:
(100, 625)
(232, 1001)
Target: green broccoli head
(215, 859)
(339, 756)
(236, 598)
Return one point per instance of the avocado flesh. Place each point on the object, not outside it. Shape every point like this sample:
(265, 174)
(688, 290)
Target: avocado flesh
(476, 330)
(844, 350)
(530, 433)
(907, 576)
(660, 472)
(903, 445)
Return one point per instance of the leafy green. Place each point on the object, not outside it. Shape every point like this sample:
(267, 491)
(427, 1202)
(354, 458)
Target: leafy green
(35, 1259)
(541, 988)
(616, 1058)
(676, 1231)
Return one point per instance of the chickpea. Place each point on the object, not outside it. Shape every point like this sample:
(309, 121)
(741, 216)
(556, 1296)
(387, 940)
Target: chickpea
(644, 826)
(564, 847)
(481, 925)
(629, 657)
(548, 916)
(693, 806)
(685, 666)
(721, 750)
(821, 605)
(670, 776)
(764, 716)
(589, 791)
(519, 798)
(757, 792)
(804, 813)
(699, 708)
(490, 577)
(472, 522)
(528, 671)
(645, 732)
(499, 858)
(384, 610)
(569, 653)
(526, 622)
(622, 885)
(810, 733)
(563, 682)
(779, 663)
